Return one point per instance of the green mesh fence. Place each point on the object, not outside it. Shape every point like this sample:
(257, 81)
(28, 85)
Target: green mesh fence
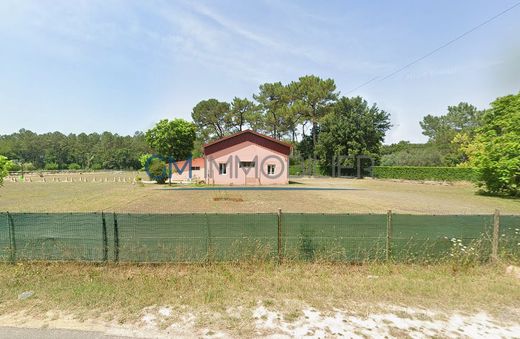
(4, 237)
(509, 239)
(419, 237)
(57, 236)
(337, 237)
(223, 237)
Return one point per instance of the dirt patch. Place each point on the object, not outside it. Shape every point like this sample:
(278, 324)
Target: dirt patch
(387, 321)
(228, 199)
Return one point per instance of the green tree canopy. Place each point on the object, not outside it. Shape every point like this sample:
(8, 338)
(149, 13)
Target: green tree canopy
(273, 99)
(5, 165)
(352, 128)
(90, 151)
(314, 98)
(495, 151)
(211, 117)
(460, 118)
(243, 114)
(172, 138)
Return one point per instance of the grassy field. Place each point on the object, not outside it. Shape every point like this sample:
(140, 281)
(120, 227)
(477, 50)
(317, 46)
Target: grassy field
(371, 196)
(224, 296)
(249, 299)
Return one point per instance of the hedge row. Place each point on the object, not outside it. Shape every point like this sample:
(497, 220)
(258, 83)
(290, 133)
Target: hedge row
(424, 173)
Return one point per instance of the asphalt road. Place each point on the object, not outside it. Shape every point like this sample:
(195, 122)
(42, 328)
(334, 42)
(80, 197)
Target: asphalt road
(47, 333)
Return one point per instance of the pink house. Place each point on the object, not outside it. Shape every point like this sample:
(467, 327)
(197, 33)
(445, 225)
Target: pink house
(197, 170)
(246, 158)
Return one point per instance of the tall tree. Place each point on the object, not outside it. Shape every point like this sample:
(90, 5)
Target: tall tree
(352, 128)
(272, 98)
(460, 118)
(315, 99)
(211, 117)
(446, 131)
(243, 114)
(495, 150)
(172, 138)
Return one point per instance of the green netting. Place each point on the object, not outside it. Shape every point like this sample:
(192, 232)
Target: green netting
(162, 237)
(509, 240)
(342, 237)
(58, 236)
(242, 236)
(195, 237)
(436, 236)
(4, 237)
(221, 237)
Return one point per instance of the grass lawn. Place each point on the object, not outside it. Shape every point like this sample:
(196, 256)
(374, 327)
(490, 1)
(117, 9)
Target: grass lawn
(225, 296)
(373, 196)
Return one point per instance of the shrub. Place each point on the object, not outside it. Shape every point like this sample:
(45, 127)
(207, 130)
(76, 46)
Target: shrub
(13, 166)
(424, 173)
(74, 166)
(4, 167)
(157, 171)
(28, 166)
(143, 158)
(51, 166)
(495, 152)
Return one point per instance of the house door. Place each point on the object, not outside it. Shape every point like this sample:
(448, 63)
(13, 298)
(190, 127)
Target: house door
(250, 172)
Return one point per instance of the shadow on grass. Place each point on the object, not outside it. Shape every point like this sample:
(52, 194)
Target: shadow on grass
(481, 192)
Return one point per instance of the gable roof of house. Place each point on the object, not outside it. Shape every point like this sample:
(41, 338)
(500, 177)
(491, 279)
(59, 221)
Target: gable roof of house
(251, 136)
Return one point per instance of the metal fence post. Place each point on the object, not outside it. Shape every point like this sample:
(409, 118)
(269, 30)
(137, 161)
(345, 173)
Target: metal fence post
(105, 238)
(116, 239)
(388, 234)
(12, 241)
(280, 254)
(496, 233)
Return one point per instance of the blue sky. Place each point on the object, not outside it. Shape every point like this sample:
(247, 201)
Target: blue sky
(89, 66)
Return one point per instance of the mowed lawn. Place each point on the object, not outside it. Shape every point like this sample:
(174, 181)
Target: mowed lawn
(369, 196)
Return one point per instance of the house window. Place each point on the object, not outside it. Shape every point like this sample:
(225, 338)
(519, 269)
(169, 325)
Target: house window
(195, 168)
(247, 164)
(222, 169)
(270, 169)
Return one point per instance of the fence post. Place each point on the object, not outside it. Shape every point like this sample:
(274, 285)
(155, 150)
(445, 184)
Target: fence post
(280, 254)
(496, 234)
(12, 241)
(388, 234)
(105, 238)
(116, 239)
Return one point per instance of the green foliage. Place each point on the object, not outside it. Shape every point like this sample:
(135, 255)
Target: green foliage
(495, 151)
(305, 147)
(243, 114)
(74, 167)
(157, 171)
(174, 138)
(461, 118)
(444, 129)
(424, 173)
(211, 118)
(106, 150)
(5, 165)
(52, 166)
(273, 99)
(353, 128)
(407, 154)
(315, 98)
(143, 158)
